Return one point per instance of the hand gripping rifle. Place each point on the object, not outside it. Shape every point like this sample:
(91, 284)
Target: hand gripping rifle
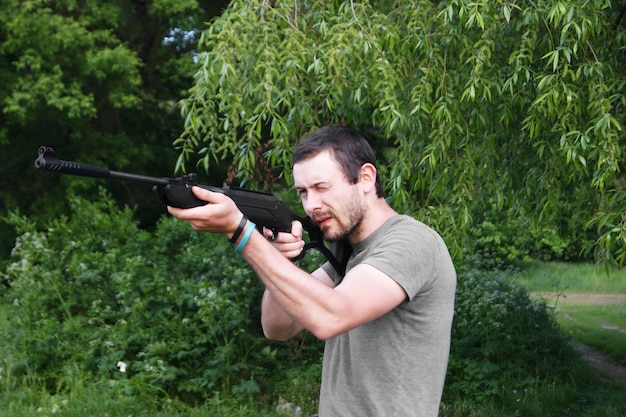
(261, 207)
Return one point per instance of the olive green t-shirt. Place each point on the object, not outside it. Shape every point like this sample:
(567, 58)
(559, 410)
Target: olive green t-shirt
(396, 364)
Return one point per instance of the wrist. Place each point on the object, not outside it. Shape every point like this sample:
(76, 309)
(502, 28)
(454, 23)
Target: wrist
(246, 235)
(239, 230)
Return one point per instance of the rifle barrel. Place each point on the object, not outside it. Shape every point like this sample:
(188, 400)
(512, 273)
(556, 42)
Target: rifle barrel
(47, 161)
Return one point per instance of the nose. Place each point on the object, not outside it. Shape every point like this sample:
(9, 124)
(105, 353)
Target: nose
(312, 202)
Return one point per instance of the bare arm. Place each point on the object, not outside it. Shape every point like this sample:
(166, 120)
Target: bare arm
(364, 294)
(276, 322)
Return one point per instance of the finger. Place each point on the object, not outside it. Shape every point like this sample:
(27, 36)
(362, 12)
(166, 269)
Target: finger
(184, 213)
(291, 250)
(296, 229)
(278, 237)
(206, 195)
(268, 233)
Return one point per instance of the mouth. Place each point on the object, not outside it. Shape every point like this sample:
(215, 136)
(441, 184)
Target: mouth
(322, 221)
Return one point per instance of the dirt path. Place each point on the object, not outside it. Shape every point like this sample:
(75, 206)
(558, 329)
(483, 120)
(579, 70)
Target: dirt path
(605, 366)
(584, 298)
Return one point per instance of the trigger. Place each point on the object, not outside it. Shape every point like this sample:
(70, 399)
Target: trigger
(274, 235)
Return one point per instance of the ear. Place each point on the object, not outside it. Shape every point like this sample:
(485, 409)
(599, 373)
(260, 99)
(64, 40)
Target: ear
(367, 177)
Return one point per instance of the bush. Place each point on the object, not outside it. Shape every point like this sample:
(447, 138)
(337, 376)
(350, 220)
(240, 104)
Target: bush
(502, 340)
(501, 236)
(498, 246)
(94, 293)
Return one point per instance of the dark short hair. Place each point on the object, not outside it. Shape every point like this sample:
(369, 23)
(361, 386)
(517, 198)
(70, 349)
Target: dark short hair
(349, 148)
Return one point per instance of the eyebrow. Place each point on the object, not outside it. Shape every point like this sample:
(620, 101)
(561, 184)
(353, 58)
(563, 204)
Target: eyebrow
(314, 185)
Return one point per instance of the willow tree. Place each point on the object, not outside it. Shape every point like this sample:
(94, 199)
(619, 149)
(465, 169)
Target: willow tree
(513, 108)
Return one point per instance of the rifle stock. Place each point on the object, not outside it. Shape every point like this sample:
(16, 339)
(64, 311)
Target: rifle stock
(262, 208)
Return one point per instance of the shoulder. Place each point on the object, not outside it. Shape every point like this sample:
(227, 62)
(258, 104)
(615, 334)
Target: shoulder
(403, 228)
(408, 251)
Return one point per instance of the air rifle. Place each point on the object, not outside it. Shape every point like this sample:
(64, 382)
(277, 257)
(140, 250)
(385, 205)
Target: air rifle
(262, 208)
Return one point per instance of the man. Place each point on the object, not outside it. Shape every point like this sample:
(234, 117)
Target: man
(387, 322)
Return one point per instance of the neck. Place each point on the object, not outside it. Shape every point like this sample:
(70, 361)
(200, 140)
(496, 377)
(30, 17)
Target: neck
(377, 213)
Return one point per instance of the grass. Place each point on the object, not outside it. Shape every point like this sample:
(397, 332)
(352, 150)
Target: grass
(589, 320)
(600, 326)
(108, 400)
(556, 399)
(558, 277)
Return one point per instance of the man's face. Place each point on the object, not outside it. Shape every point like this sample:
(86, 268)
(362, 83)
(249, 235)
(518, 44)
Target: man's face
(334, 203)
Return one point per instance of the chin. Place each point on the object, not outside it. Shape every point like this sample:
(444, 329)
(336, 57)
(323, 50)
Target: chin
(333, 237)
(329, 237)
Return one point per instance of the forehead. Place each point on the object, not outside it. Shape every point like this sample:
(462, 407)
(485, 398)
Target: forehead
(320, 168)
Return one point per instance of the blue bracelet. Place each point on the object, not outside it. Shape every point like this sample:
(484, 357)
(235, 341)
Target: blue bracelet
(246, 236)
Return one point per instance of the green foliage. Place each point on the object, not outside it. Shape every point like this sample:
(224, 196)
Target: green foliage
(499, 242)
(611, 223)
(176, 307)
(36, 82)
(559, 277)
(98, 81)
(503, 340)
(466, 101)
(124, 397)
(181, 312)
